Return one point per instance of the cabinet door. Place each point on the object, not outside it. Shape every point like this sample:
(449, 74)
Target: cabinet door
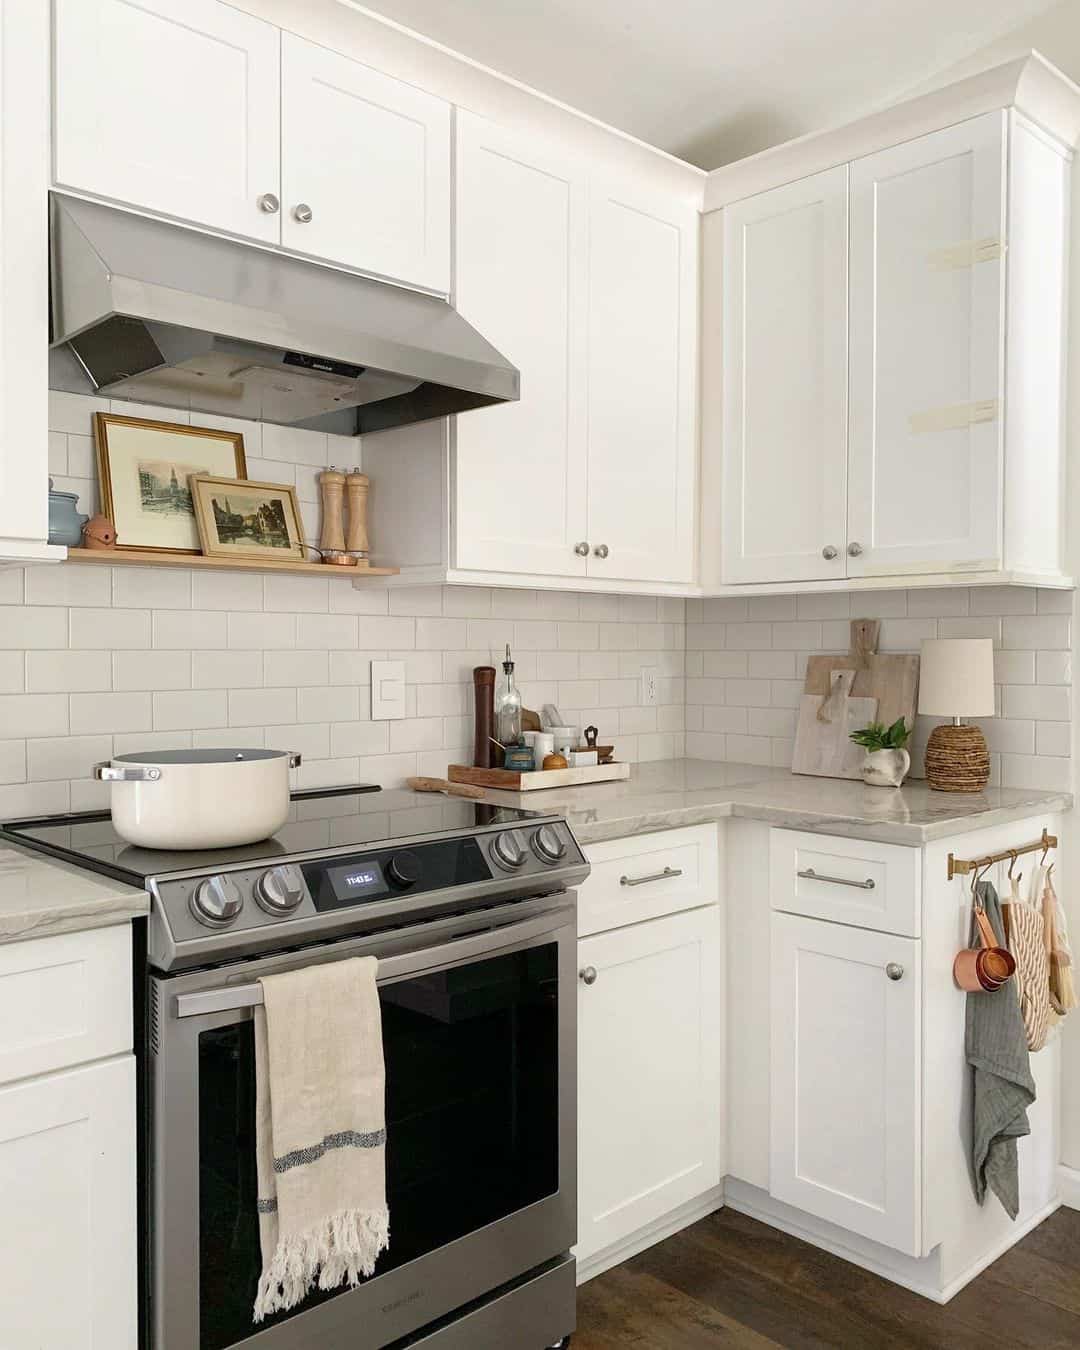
(650, 1039)
(521, 243)
(846, 1111)
(67, 1174)
(643, 305)
(927, 295)
(369, 156)
(172, 105)
(785, 383)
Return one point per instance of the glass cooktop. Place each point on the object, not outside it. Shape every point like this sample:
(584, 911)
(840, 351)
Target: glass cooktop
(322, 819)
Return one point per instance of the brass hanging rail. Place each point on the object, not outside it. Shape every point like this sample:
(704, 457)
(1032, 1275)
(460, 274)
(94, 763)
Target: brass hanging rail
(962, 866)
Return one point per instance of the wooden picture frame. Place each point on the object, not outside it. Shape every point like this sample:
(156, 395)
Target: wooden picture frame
(246, 521)
(143, 472)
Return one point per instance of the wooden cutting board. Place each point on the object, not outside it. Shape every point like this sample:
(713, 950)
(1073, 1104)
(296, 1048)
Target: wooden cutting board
(892, 680)
(823, 744)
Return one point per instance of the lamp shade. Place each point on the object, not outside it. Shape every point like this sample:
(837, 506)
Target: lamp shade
(956, 677)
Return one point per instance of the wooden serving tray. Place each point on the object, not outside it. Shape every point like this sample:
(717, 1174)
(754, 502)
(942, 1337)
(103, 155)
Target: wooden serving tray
(514, 781)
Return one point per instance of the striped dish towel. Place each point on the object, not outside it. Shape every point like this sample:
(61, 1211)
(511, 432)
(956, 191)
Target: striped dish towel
(320, 1130)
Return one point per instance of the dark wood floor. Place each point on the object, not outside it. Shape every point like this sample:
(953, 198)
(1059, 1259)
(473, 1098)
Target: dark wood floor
(730, 1281)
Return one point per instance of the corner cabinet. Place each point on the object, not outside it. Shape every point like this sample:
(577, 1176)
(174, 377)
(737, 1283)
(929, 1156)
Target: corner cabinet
(287, 142)
(887, 337)
(589, 286)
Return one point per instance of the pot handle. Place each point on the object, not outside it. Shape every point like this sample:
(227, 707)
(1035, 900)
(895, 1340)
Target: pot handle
(295, 759)
(116, 773)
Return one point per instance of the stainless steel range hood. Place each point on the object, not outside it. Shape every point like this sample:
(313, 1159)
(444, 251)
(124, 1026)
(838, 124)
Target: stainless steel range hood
(163, 314)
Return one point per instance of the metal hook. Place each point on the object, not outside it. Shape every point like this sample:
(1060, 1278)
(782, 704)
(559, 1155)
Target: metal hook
(1012, 863)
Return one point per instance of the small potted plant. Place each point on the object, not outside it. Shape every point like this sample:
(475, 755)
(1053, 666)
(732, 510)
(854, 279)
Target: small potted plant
(887, 762)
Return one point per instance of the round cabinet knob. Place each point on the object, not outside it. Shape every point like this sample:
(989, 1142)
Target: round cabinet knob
(548, 846)
(588, 975)
(217, 901)
(601, 550)
(269, 203)
(894, 970)
(582, 549)
(507, 851)
(854, 550)
(279, 890)
(404, 870)
(829, 552)
(302, 212)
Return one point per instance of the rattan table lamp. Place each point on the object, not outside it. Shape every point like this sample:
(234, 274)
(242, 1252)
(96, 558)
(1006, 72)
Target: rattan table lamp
(956, 679)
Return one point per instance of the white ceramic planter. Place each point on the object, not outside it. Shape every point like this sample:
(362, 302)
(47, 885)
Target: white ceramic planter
(885, 768)
(196, 799)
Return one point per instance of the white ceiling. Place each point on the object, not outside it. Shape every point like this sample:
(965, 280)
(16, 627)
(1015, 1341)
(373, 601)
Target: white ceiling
(712, 80)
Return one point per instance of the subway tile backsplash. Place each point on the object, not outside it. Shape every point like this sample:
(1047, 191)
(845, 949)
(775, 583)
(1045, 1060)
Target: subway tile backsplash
(746, 660)
(97, 660)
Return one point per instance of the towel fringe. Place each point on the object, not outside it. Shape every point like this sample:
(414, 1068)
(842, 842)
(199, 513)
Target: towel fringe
(344, 1246)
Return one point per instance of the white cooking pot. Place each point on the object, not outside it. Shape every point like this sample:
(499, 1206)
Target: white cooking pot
(178, 799)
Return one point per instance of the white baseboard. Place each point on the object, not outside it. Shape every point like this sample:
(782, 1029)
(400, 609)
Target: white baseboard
(648, 1236)
(1069, 1186)
(988, 1258)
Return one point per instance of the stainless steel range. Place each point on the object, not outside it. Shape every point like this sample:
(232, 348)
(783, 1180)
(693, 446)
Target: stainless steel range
(470, 910)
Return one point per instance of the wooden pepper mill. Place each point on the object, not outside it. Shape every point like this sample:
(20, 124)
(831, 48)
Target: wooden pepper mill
(356, 487)
(332, 490)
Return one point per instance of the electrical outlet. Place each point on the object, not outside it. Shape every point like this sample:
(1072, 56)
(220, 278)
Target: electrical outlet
(648, 686)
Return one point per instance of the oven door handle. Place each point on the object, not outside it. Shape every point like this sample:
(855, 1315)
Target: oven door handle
(234, 997)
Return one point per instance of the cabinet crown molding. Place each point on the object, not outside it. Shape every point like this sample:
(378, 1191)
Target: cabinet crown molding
(1029, 83)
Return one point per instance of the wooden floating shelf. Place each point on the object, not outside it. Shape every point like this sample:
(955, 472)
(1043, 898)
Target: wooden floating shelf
(126, 557)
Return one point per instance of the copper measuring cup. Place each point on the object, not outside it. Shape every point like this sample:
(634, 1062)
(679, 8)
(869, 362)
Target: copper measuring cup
(983, 969)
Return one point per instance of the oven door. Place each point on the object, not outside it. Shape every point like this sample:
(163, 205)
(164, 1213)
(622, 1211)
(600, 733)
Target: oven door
(479, 1042)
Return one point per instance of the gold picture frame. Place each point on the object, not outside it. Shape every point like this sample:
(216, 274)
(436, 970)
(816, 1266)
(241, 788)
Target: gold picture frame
(143, 472)
(250, 522)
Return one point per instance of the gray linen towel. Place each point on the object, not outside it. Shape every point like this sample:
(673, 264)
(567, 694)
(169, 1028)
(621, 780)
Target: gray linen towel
(996, 1046)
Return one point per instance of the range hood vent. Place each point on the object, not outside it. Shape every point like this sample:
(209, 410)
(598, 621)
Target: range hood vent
(162, 314)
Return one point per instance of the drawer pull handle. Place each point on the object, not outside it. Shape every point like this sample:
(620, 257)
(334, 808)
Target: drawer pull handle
(656, 876)
(811, 875)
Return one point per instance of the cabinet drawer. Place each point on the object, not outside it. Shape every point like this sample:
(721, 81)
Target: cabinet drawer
(64, 1000)
(648, 876)
(853, 881)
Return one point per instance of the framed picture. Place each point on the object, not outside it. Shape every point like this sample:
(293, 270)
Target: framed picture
(143, 470)
(248, 520)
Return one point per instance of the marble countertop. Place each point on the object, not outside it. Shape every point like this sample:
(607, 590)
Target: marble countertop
(670, 793)
(40, 897)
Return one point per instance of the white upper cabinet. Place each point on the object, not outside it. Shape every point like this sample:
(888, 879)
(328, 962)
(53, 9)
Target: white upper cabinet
(191, 109)
(888, 315)
(590, 288)
(172, 105)
(642, 385)
(365, 167)
(785, 382)
(927, 300)
(521, 280)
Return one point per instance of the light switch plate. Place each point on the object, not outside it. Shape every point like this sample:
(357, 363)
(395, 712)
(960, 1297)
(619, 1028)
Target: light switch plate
(387, 690)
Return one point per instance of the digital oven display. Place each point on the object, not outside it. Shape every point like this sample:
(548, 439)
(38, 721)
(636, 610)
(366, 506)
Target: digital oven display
(360, 881)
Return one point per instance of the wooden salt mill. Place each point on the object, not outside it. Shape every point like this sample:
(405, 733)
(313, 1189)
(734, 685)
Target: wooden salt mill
(332, 490)
(356, 486)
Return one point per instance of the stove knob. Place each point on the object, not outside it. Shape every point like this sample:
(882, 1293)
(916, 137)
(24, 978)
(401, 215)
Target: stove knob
(217, 901)
(403, 870)
(507, 851)
(279, 890)
(548, 846)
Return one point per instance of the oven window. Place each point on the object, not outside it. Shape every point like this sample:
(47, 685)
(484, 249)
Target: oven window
(471, 1113)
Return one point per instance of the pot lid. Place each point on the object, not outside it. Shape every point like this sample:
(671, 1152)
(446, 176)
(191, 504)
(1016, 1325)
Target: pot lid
(225, 755)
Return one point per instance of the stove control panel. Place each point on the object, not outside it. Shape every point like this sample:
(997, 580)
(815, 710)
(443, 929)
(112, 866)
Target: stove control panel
(257, 898)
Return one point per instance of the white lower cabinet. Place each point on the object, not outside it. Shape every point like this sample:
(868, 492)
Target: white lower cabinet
(846, 1078)
(650, 1060)
(68, 1247)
